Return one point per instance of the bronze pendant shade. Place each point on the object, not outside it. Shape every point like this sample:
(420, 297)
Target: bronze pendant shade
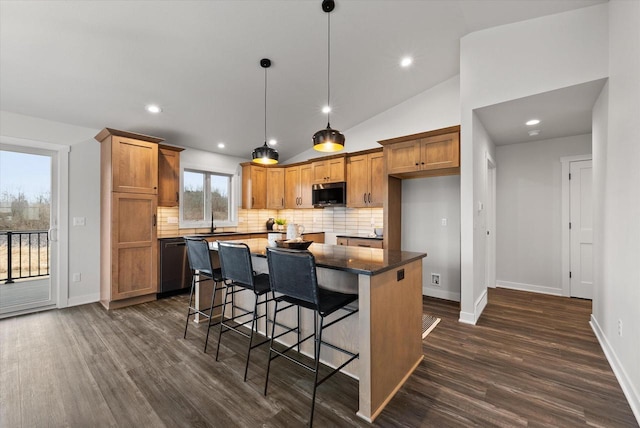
(264, 154)
(328, 139)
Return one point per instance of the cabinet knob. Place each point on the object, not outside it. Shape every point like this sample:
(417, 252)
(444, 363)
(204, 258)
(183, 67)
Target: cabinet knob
(422, 163)
(417, 164)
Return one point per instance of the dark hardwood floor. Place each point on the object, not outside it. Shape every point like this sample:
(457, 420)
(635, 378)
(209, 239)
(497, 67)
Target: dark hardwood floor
(532, 360)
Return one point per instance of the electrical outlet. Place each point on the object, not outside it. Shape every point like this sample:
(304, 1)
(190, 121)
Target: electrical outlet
(435, 279)
(620, 327)
(79, 221)
(77, 277)
(444, 221)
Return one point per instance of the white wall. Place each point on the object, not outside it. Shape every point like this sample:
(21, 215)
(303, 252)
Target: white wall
(83, 195)
(529, 208)
(425, 202)
(435, 108)
(505, 63)
(617, 240)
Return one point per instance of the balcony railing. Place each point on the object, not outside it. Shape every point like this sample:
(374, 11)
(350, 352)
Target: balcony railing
(23, 254)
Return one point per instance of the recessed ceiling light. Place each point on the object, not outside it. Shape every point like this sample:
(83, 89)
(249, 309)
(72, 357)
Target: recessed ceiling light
(221, 145)
(533, 122)
(152, 108)
(406, 61)
(273, 142)
(326, 109)
(534, 132)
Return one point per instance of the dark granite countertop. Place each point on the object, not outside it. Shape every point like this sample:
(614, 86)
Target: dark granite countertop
(211, 235)
(360, 236)
(366, 261)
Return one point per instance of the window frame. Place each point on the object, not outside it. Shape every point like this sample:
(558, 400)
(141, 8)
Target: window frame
(208, 172)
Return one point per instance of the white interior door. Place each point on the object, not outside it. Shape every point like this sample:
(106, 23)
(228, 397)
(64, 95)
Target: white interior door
(581, 232)
(490, 259)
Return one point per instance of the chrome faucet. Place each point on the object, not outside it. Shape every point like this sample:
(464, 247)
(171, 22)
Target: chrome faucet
(213, 228)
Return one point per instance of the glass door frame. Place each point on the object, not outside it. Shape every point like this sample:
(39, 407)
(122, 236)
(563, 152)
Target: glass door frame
(59, 227)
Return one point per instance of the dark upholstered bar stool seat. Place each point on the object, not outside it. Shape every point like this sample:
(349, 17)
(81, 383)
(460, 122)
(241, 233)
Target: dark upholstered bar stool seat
(294, 281)
(201, 267)
(237, 270)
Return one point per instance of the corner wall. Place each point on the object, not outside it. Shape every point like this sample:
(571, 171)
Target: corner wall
(616, 175)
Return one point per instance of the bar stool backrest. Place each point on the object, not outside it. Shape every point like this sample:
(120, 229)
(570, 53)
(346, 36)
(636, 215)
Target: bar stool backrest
(198, 255)
(235, 262)
(293, 273)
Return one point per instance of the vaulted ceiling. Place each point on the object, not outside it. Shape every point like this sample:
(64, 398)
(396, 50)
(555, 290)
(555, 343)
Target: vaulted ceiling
(99, 63)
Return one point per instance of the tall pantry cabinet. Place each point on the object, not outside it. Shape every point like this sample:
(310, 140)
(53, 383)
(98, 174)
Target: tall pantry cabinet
(128, 222)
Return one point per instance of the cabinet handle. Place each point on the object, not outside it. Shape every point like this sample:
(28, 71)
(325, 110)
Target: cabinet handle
(364, 245)
(282, 202)
(177, 196)
(369, 197)
(364, 198)
(154, 220)
(252, 201)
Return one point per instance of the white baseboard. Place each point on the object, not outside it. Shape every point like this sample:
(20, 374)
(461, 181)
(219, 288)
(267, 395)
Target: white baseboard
(543, 289)
(633, 397)
(441, 294)
(83, 300)
(478, 307)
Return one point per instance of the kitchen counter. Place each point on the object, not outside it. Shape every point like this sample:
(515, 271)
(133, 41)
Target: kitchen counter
(361, 236)
(387, 330)
(226, 234)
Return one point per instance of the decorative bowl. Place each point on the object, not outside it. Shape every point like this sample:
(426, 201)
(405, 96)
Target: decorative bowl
(293, 244)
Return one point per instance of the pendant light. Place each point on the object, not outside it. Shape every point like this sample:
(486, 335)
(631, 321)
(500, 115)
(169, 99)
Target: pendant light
(264, 154)
(328, 139)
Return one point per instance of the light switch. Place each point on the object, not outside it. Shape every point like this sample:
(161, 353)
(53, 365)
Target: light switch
(79, 221)
(444, 221)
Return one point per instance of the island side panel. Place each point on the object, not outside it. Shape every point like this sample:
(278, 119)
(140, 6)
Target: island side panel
(393, 341)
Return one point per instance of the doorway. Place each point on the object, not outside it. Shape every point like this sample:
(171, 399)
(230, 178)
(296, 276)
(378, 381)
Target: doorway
(29, 229)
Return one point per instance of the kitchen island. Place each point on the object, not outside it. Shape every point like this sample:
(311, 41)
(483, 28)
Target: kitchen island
(387, 329)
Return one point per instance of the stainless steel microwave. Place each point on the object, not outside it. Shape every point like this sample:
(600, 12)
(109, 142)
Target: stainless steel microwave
(329, 195)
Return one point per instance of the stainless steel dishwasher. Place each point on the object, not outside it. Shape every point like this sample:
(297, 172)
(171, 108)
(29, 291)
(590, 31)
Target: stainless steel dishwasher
(175, 275)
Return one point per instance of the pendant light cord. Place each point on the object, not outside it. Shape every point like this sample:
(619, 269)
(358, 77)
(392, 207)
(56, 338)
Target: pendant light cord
(328, 68)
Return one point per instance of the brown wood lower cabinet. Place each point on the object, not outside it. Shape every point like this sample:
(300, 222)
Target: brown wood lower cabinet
(134, 249)
(360, 242)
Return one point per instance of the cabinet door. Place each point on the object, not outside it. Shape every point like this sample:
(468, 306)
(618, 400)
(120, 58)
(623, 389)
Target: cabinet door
(275, 188)
(336, 169)
(306, 177)
(134, 166)
(440, 151)
(254, 187)
(292, 187)
(403, 157)
(342, 241)
(320, 171)
(357, 181)
(376, 185)
(134, 268)
(168, 177)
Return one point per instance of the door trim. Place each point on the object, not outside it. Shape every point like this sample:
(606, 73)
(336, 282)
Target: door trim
(60, 172)
(566, 211)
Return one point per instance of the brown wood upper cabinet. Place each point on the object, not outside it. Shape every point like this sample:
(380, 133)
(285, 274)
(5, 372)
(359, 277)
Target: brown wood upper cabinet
(168, 176)
(275, 188)
(365, 180)
(297, 184)
(426, 154)
(254, 186)
(134, 165)
(330, 170)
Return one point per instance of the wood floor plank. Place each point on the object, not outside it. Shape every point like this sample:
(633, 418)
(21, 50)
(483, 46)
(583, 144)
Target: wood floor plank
(532, 360)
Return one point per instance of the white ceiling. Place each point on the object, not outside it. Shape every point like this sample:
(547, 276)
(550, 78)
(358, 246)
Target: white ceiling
(562, 113)
(98, 63)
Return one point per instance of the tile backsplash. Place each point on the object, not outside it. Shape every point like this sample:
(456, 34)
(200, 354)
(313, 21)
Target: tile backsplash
(335, 219)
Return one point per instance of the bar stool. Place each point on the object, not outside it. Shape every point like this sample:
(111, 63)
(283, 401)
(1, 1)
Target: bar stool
(237, 270)
(200, 265)
(293, 276)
